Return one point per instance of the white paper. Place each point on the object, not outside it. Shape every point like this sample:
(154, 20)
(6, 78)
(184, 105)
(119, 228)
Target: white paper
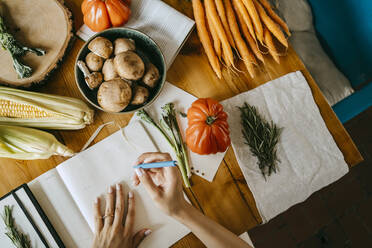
(62, 211)
(21, 222)
(165, 25)
(310, 158)
(205, 166)
(34, 214)
(244, 236)
(111, 161)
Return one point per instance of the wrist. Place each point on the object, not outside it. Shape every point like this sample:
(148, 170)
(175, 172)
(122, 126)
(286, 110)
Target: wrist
(182, 211)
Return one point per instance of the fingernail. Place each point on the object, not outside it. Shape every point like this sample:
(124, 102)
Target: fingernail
(96, 201)
(110, 190)
(117, 186)
(130, 194)
(138, 172)
(148, 232)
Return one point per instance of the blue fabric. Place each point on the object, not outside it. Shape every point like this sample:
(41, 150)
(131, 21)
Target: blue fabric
(354, 104)
(344, 28)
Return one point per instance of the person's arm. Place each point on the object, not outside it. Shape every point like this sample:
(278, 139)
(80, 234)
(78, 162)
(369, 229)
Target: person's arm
(164, 186)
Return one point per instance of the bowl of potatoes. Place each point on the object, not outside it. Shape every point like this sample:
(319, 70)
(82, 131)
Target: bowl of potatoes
(120, 70)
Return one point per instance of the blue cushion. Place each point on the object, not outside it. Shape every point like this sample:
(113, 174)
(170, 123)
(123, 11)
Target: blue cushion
(354, 104)
(344, 28)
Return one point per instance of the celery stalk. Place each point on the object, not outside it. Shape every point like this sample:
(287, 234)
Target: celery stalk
(169, 128)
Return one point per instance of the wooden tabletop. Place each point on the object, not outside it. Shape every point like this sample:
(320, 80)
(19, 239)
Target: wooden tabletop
(227, 199)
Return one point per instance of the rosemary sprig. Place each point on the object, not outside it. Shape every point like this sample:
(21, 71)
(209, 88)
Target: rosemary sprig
(262, 137)
(19, 239)
(16, 49)
(168, 127)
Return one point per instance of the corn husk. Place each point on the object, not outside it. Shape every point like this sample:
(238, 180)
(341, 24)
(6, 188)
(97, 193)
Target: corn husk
(33, 109)
(28, 144)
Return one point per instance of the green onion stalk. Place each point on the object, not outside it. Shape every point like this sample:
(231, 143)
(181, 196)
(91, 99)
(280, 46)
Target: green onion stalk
(168, 127)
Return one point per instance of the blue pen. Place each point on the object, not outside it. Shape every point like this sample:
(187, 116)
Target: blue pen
(156, 165)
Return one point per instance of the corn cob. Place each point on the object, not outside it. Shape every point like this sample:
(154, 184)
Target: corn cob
(32, 109)
(28, 144)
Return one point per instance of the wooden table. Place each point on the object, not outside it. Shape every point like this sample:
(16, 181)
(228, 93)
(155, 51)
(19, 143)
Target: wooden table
(227, 199)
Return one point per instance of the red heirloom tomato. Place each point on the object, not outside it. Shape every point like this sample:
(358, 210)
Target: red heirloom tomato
(208, 130)
(102, 14)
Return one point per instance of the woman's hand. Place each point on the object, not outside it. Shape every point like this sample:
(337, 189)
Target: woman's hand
(164, 185)
(109, 229)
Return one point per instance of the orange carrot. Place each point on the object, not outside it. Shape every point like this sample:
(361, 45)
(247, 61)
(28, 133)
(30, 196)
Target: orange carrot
(252, 44)
(239, 8)
(222, 14)
(203, 34)
(216, 40)
(255, 19)
(274, 16)
(247, 57)
(211, 11)
(271, 46)
(270, 24)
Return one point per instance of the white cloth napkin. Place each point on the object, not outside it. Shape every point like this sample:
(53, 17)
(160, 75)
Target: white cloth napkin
(205, 166)
(310, 158)
(165, 25)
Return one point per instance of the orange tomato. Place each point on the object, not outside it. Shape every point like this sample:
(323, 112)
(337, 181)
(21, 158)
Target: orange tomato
(208, 130)
(102, 14)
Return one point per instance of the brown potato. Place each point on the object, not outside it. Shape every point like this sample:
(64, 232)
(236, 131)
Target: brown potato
(151, 76)
(129, 65)
(114, 95)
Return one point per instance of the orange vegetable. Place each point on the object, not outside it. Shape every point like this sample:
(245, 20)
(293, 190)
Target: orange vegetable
(201, 26)
(102, 14)
(208, 130)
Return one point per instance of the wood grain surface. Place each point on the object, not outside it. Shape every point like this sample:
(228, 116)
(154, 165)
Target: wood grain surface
(227, 199)
(51, 31)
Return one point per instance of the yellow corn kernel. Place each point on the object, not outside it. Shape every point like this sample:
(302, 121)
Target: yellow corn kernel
(33, 109)
(19, 110)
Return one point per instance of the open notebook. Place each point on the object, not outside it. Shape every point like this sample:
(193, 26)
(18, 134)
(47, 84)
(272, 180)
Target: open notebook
(67, 192)
(29, 219)
(165, 25)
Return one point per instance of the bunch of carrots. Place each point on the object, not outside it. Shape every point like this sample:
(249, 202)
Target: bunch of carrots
(248, 27)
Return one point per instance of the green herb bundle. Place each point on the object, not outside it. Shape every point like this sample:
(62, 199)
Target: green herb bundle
(261, 136)
(16, 50)
(19, 239)
(168, 127)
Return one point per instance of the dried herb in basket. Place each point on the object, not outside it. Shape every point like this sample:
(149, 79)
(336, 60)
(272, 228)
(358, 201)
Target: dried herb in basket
(262, 137)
